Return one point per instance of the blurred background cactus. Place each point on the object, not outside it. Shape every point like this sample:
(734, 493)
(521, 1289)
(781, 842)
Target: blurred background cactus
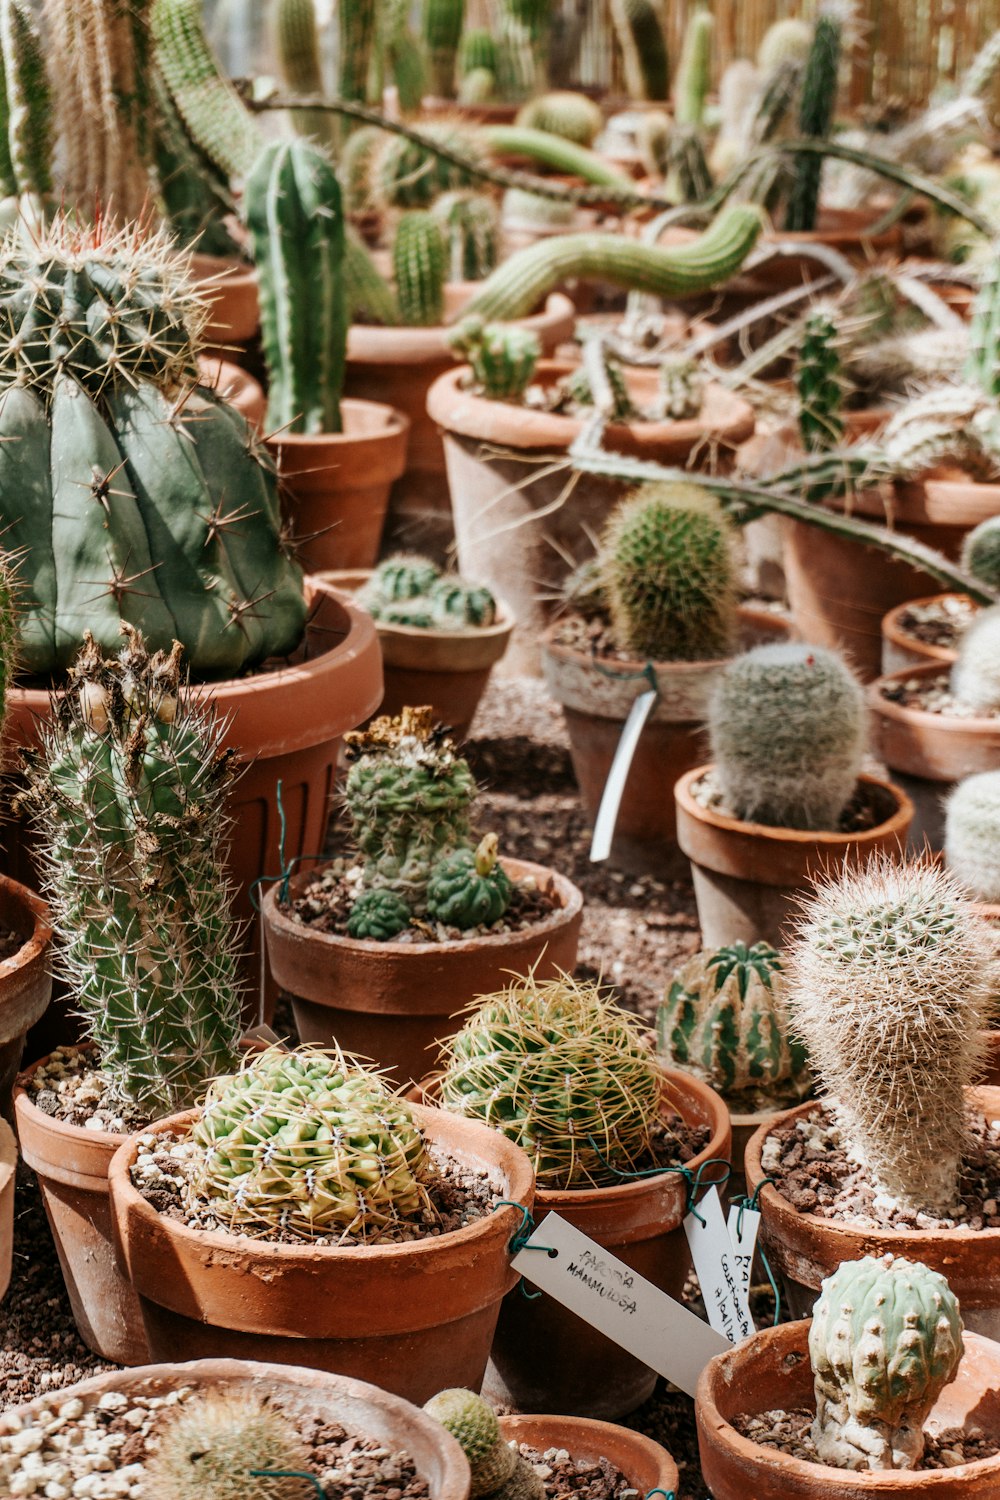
(502, 359)
(643, 48)
(419, 263)
(412, 590)
(972, 835)
(470, 225)
(981, 552)
(975, 677)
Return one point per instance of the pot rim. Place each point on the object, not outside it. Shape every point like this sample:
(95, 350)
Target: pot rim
(39, 938)
(898, 821)
(904, 713)
(893, 631)
(78, 1133)
(370, 345)
(521, 1426)
(397, 426)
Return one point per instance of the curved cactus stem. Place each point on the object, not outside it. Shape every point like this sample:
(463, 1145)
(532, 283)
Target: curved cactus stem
(553, 151)
(210, 107)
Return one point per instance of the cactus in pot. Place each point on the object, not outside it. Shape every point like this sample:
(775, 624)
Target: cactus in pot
(214, 1446)
(972, 835)
(975, 677)
(502, 358)
(441, 29)
(818, 102)
(820, 385)
(498, 1470)
(419, 265)
(470, 225)
(411, 590)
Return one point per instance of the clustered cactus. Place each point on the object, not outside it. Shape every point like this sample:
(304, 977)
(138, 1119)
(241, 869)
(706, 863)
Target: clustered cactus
(557, 1067)
(885, 1340)
(470, 225)
(972, 835)
(225, 1445)
(498, 1470)
(411, 590)
(502, 358)
(975, 677)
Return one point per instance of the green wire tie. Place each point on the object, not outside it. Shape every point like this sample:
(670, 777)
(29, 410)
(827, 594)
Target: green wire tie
(519, 1241)
(289, 1474)
(692, 1179)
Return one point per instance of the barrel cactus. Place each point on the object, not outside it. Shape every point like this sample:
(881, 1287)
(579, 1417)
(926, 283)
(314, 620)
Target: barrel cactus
(411, 590)
(419, 268)
(405, 575)
(469, 888)
(458, 605)
(564, 113)
(885, 1340)
(502, 358)
(972, 835)
(975, 677)
(378, 916)
(981, 552)
(498, 1470)
(214, 1445)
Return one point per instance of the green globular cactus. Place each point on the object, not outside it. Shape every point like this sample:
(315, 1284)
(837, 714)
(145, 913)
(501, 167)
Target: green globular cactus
(975, 677)
(787, 728)
(26, 135)
(441, 27)
(694, 72)
(128, 794)
(724, 1019)
(134, 495)
(378, 916)
(890, 984)
(215, 1444)
(981, 552)
(457, 605)
(210, 107)
(885, 1340)
(644, 48)
(309, 1143)
(972, 835)
(403, 576)
(293, 211)
(419, 269)
(982, 367)
(669, 574)
(414, 613)
(297, 45)
(820, 387)
(558, 1068)
(502, 358)
(681, 388)
(498, 1470)
(819, 99)
(470, 224)
(477, 51)
(469, 888)
(565, 113)
(787, 40)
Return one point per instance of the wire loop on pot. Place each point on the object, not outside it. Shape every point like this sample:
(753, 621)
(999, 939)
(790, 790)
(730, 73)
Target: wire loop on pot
(300, 1474)
(519, 1241)
(692, 1179)
(753, 1204)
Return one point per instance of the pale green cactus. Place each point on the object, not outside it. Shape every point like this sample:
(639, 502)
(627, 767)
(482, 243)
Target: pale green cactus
(564, 113)
(981, 552)
(502, 358)
(214, 1445)
(498, 1470)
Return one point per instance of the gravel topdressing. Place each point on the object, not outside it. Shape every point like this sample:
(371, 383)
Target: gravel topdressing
(933, 695)
(565, 1477)
(69, 1088)
(940, 622)
(789, 1432)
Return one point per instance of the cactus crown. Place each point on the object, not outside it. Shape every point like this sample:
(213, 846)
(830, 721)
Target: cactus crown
(975, 677)
(788, 40)
(502, 357)
(885, 1340)
(212, 1443)
(981, 552)
(668, 571)
(557, 1067)
(972, 835)
(787, 727)
(890, 984)
(498, 1470)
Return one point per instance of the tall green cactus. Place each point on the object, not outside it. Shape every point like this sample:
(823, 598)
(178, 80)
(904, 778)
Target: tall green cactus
(983, 364)
(694, 72)
(441, 26)
(819, 99)
(293, 212)
(25, 104)
(297, 44)
(522, 55)
(419, 266)
(821, 394)
(211, 109)
(356, 22)
(196, 196)
(644, 48)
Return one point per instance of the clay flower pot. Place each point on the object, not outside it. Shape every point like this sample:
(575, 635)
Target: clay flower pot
(928, 753)
(25, 978)
(643, 1463)
(393, 1002)
(770, 1371)
(848, 230)
(216, 1295)
(235, 385)
(399, 366)
(749, 877)
(515, 520)
(596, 697)
(358, 1407)
(901, 650)
(336, 484)
(229, 285)
(8, 1169)
(448, 669)
(806, 1249)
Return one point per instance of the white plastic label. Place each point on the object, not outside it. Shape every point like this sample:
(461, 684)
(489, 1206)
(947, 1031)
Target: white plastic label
(743, 1237)
(715, 1262)
(614, 787)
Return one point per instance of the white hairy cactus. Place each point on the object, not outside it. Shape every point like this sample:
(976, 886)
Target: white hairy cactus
(952, 423)
(975, 677)
(972, 835)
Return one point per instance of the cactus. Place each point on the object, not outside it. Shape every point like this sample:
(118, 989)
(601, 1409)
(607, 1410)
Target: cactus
(687, 166)
(409, 590)
(214, 1445)
(819, 99)
(975, 677)
(293, 212)
(211, 109)
(554, 151)
(787, 727)
(557, 1068)
(983, 364)
(132, 501)
(498, 1470)
(518, 286)
(457, 605)
(405, 57)
(355, 167)
(469, 888)
(724, 1019)
(889, 988)
(669, 574)
(402, 576)
(369, 296)
(441, 22)
(297, 46)
(972, 835)
(128, 794)
(981, 552)
(578, 386)
(694, 72)
(470, 225)
(820, 388)
(25, 105)
(787, 40)
(477, 52)
(956, 424)
(478, 86)
(355, 38)
(885, 1340)
(681, 389)
(523, 45)
(310, 1143)
(196, 198)
(502, 358)
(419, 269)
(654, 136)
(644, 48)
(571, 115)
(407, 175)
(378, 916)
(521, 207)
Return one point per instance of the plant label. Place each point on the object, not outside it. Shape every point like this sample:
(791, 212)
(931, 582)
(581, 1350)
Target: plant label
(721, 1281)
(614, 787)
(743, 1225)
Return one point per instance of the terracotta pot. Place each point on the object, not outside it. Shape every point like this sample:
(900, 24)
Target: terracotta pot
(749, 878)
(336, 485)
(845, 229)
(448, 669)
(744, 1127)
(770, 1371)
(25, 978)
(230, 288)
(596, 698)
(805, 1249)
(394, 1001)
(211, 1295)
(521, 534)
(235, 385)
(358, 1407)
(8, 1170)
(71, 1164)
(643, 1463)
(399, 366)
(928, 753)
(901, 650)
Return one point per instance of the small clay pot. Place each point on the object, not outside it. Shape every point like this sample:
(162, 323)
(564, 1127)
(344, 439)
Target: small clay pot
(8, 1169)
(25, 977)
(229, 285)
(215, 1295)
(928, 753)
(358, 1407)
(336, 484)
(770, 1371)
(642, 1462)
(749, 877)
(237, 386)
(393, 1002)
(902, 651)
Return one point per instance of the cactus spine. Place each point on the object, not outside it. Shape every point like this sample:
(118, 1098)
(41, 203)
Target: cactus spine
(210, 107)
(694, 73)
(819, 99)
(502, 358)
(975, 677)
(644, 48)
(981, 552)
(972, 835)
(25, 104)
(211, 1445)
(442, 22)
(419, 268)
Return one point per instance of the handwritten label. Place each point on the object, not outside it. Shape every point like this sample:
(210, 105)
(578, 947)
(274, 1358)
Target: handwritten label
(618, 1302)
(715, 1262)
(614, 787)
(743, 1225)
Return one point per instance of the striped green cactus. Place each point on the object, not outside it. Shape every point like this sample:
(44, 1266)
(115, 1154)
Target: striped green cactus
(419, 268)
(297, 44)
(212, 111)
(470, 224)
(441, 25)
(26, 130)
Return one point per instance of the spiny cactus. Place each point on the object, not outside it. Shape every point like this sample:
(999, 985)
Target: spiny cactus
(557, 1067)
(681, 388)
(787, 40)
(983, 364)
(890, 986)
(441, 23)
(644, 48)
(470, 225)
(309, 1143)
(355, 167)
(689, 178)
(724, 1019)
(402, 576)
(128, 795)
(214, 1441)
(981, 552)
(787, 727)
(612, 393)
(419, 269)
(694, 72)
(469, 887)
(564, 113)
(296, 39)
(885, 1340)
(972, 835)
(477, 86)
(210, 107)
(820, 386)
(131, 499)
(456, 604)
(378, 916)
(404, 55)
(498, 1470)
(957, 424)
(819, 99)
(975, 677)
(356, 24)
(196, 198)
(502, 357)
(25, 105)
(669, 574)
(411, 590)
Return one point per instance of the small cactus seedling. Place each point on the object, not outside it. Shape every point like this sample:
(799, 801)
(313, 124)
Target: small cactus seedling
(981, 552)
(975, 677)
(600, 380)
(885, 1340)
(469, 887)
(972, 835)
(215, 1445)
(502, 358)
(411, 590)
(498, 1470)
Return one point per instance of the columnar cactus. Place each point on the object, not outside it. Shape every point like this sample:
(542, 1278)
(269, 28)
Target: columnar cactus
(669, 574)
(210, 107)
(128, 794)
(419, 269)
(25, 105)
(214, 1441)
(498, 1470)
(502, 358)
(820, 387)
(441, 23)
(405, 174)
(297, 43)
(558, 1068)
(470, 225)
(975, 677)
(981, 552)
(972, 835)
(819, 99)
(983, 364)
(564, 113)
(644, 48)
(885, 1340)
(787, 728)
(890, 985)
(356, 22)
(694, 72)
(787, 40)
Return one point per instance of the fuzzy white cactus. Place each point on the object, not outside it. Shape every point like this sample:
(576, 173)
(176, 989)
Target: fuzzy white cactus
(972, 835)
(975, 677)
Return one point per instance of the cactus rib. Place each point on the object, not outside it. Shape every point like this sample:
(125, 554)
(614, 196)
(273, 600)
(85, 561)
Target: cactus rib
(209, 106)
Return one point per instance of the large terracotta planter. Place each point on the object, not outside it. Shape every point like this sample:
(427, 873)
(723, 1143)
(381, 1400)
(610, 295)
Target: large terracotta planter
(393, 1002)
(806, 1249)
(596, 698)
(336, 485)
(399, 366)
(358, 1407)
(25, 977)
(521, 516)
(8, 1171)
(643, 1463)
(230, 289)
(448, 669)
(411, 1318)
(770, 1371)
(749, 878)
(71, 1164)
(901, 650)
(928, 753)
